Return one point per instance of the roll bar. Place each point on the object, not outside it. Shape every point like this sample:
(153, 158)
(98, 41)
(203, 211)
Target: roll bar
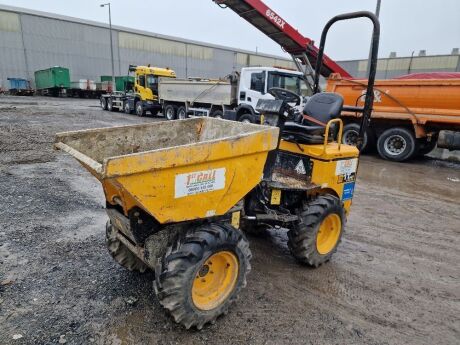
(369, 100)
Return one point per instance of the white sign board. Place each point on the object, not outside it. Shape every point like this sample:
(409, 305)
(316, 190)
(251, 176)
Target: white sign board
(199, 182)
(346, 167)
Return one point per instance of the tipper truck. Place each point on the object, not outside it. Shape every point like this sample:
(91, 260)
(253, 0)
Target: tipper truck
(234, 98)
(410, 115)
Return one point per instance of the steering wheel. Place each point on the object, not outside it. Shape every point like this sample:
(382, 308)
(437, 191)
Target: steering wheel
(285, 95)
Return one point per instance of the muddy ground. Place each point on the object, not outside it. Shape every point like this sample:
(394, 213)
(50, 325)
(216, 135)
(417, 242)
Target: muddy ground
(394, 280)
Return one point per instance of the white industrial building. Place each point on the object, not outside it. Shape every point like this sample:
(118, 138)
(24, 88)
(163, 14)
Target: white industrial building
(32, 40)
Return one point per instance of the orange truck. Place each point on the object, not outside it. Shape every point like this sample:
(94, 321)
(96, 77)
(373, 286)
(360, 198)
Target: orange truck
(411, 114)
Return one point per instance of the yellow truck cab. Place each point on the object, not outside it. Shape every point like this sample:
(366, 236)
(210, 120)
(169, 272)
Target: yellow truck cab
(145, 97)
(142, 96)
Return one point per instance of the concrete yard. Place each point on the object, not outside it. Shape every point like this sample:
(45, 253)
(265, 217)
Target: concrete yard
(394, 280)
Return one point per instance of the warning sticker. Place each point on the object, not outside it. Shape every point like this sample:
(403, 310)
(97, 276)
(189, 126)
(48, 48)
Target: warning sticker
(300, 168)
(199, 182)
(346, 167)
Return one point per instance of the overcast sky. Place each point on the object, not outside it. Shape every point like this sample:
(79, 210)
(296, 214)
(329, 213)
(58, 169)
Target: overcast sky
(407, 25)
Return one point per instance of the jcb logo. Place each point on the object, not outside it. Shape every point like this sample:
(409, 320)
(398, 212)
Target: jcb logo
(275, 18)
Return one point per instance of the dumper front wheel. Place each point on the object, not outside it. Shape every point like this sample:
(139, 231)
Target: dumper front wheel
(120, 253)
(202, 274)
(315, 237)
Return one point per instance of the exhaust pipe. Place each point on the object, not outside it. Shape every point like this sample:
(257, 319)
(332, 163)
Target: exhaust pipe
(449, 140)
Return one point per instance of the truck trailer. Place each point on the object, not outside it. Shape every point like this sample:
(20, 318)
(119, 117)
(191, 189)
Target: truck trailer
(52, 81)
(83, 88)
(20, 87)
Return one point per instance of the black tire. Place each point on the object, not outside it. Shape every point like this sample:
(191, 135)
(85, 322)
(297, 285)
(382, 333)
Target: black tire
(181, 113)
(121, 254)
(218, 114)
(140, 111)
(303, 236)
(170, 112)
(397, 144)
(110, 106)
(127, 109)
(103, 103)
(184, 262)
(247, 118)
(350, 136)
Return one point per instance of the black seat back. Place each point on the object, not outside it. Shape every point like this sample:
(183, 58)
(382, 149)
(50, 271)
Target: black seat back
(323, 107)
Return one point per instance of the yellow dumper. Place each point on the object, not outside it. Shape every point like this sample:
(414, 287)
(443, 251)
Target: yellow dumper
(178, 192)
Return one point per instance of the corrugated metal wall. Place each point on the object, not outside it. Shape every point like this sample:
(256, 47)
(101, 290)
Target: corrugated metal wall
(30, 42)
(83, 49)
(12, 61)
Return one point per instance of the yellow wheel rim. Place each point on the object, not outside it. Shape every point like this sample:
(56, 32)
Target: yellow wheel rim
(328, 234)
(215, 280)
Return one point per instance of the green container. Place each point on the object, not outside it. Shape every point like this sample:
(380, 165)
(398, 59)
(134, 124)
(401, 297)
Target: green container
(106, 78)
(52, 78)
(122, 82)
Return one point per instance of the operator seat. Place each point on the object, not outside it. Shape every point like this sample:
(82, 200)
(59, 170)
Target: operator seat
(319, 110)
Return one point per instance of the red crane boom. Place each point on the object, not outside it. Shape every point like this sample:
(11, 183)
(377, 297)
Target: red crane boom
(302, 49)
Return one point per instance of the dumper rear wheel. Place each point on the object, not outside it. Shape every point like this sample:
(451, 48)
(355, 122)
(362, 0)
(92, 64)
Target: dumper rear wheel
(120, 253)
(314, 239)
(202, 274)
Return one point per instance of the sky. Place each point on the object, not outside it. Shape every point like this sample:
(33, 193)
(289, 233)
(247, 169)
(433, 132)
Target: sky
(407, 25)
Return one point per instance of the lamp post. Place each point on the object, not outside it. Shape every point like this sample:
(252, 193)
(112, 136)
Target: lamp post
(111, 43)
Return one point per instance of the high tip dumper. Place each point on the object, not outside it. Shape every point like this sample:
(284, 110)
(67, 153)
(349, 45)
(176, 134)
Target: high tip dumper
(179, 192)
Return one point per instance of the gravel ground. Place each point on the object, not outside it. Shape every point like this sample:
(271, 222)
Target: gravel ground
(394, 280)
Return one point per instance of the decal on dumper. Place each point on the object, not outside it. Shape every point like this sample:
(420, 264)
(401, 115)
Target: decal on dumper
(199, 182)
(348, 190)
(346, 170)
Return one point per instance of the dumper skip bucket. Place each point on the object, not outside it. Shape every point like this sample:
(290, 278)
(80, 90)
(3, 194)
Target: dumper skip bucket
(175, 170)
